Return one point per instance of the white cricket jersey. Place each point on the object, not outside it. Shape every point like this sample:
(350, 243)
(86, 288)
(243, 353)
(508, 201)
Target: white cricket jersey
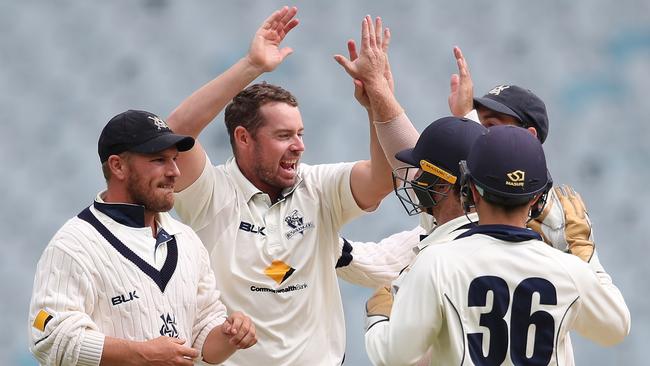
(86, 287)
(495, 299)
(276, 262)
(375, 265)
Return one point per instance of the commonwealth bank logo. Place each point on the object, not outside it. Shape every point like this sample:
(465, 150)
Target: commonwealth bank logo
(279, 271)
(516, 178)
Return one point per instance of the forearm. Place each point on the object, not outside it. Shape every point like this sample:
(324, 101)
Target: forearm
(200, 108)
(383, 103)
(217, 347)
(395, 135)
(380, 167)
(119, 352)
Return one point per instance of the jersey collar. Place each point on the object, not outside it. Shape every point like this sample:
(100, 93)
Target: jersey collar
(442, 231)
(503, 232)
(132, 215)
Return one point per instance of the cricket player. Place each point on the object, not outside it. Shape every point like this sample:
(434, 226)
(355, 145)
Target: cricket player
(498, 295)
(269, 222)
(123, 283)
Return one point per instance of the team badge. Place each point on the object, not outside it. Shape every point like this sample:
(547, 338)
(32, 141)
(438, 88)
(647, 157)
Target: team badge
(297, 224)
(162, 125)
(498, 89)
(169, 326)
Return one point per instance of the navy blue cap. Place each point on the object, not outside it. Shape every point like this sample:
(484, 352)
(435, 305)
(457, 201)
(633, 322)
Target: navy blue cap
(442, 145)
(508, 162)
(519, 103)
(140, 132)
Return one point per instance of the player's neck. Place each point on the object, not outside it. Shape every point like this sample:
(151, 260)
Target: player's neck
(489, 215)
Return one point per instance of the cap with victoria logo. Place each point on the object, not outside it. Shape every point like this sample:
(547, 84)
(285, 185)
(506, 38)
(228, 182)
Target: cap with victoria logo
(140, 132)
(519, 103)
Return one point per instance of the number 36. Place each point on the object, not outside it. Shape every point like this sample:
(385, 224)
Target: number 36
(520, 321)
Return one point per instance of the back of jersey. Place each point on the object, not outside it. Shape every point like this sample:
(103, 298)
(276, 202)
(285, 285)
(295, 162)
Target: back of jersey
(500, 302)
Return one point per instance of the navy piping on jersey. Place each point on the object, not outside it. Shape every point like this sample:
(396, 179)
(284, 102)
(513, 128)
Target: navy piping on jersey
(462, 329)
(557, 340)
(346, 254)
(469, 225)
(503, 232)
(162, 277)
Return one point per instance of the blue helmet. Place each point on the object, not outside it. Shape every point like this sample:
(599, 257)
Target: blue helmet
(435, 157)
(508, 167)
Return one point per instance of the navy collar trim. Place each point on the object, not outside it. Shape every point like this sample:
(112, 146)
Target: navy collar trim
(124, 213)
(162, 277)
(503, 232)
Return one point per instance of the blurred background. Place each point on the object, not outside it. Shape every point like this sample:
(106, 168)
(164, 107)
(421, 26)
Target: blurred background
(66, 67)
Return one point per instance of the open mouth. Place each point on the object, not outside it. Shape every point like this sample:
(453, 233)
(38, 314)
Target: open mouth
(288, 165)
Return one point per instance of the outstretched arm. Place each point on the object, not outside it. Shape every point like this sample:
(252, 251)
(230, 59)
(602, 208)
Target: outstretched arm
(371, 180)
(200, 108)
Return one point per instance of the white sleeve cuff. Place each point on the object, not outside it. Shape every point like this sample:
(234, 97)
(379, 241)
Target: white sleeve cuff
(91, 349)
(372, 320)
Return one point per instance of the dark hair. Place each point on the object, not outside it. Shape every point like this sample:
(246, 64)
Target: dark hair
(244, 110)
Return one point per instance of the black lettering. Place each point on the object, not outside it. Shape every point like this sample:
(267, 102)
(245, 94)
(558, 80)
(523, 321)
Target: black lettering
(116, 300)
(245, 226)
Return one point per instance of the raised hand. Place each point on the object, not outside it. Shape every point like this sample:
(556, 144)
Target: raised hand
(461, 96)
(265, 52)
(240, 329)
(370, 66)
(359, 91)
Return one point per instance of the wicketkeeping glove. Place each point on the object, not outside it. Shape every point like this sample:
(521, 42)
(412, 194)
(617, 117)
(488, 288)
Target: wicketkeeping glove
(378, 307)
(564, 223)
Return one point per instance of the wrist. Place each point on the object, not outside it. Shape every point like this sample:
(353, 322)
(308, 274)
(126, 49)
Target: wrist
(251, 67)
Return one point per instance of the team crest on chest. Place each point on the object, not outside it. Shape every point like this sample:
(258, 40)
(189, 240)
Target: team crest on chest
(169, 326)
(297, 224)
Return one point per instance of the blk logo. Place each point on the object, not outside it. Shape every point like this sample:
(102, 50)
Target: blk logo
(516, 178)
(169, 326)
(120, 299)
(498, 89)
(251, 228)
(279, 271)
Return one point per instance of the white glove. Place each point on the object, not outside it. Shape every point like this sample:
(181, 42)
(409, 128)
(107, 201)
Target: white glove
(564, 223)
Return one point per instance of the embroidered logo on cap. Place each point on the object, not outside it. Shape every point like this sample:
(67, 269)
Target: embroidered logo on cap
(162, 125)
(498, 89)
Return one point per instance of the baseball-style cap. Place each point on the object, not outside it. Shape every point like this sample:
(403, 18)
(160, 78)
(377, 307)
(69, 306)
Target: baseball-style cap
(140, 132)
(508, 162)
(442, 145)
(520, 103)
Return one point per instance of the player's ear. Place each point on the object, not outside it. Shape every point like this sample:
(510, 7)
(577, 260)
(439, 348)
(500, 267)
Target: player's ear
(241, 136)
(532, 130)
(117, 164)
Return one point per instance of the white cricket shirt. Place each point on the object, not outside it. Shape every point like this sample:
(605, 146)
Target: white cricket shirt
(86, 288)
(483, 300)
(276, 262)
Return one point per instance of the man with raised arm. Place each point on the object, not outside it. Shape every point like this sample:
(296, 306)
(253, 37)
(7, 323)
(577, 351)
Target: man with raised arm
(269, 222)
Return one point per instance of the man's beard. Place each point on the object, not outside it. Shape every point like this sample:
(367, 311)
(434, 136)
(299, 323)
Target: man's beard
(145, 196)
